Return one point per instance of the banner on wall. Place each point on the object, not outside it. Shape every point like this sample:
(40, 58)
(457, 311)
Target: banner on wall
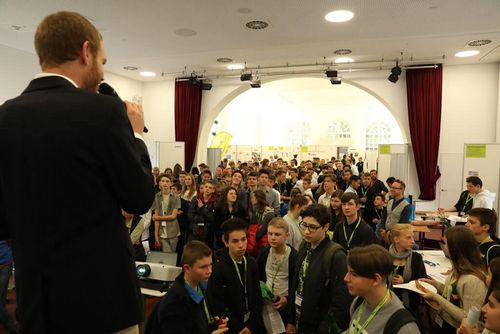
(221, 140)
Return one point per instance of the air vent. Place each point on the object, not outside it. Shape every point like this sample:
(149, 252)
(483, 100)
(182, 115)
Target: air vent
(342, 52)
(479, 42)
(257, 25)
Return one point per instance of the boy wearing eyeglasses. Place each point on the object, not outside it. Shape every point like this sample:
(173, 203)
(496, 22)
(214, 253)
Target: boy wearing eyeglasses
(319, 300)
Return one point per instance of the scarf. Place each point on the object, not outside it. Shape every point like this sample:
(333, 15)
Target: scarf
(406, 271)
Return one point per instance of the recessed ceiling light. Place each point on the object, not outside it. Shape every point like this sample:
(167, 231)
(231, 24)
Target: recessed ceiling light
(257, 25)
(342, 52)
(343, 60)
(245, 10)
(235, 67)
(479, 42)
(224, 60)
(147, 74)
(130, 68)
(339, 16)
(466, 53)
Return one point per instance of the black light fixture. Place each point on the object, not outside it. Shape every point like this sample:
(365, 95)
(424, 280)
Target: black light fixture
(395, 73)
(336, 80)
(331, 73)
(255, 83)
(206, 84)
(246, 77)
(193, 79)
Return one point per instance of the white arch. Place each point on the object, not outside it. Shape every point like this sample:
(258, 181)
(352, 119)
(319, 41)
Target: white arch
(212, 114)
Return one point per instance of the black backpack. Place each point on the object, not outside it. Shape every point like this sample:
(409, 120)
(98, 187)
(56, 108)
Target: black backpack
(397, 320)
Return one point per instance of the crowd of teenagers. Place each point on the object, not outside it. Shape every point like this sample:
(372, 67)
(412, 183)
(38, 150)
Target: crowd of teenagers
(320, 247)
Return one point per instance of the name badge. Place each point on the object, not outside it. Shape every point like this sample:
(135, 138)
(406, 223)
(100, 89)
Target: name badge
(439, 321)
(164, 223)
(246, 317)
(298, 300)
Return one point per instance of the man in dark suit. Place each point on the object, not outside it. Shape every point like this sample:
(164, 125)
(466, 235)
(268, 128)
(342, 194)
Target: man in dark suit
(71, 159)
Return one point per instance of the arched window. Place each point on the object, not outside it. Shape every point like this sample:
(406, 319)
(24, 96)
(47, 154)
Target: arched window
(377, 133)
(339, 130)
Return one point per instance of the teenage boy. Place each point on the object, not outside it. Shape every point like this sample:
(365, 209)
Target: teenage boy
(329, 187)
(482, 222)
(277, 265)
(376, 309)
(272, 196)
(165, 208)
(354, 184)
(376, 211)
(306, 184)
(233, 288)
(319, 301)
(185, 308)
(353, 230)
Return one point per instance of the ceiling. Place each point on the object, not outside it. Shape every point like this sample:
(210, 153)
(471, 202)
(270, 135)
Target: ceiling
(151, 34)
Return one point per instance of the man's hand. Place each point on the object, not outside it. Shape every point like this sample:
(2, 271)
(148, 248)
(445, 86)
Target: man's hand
(245, 331)
(135, 117)
(466, 329)
(157, 243)
(280, 304)
(398, 279)
(290, 329)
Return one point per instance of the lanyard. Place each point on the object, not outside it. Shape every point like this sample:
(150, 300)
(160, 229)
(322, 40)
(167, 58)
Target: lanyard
(280, 263)
(363, 191)
(360, 330)
(469, 198)
(165, 205)
(379, 215)
(207, 314)
(244, 285)
(352, 234)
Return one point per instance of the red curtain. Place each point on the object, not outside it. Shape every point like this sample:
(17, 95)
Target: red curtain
(187, 118)
(424, 91)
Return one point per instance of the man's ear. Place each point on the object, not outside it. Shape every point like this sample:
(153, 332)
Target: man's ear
(85, 53)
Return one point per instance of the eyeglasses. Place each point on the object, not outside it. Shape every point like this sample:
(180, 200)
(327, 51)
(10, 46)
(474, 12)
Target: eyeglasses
(311, 228)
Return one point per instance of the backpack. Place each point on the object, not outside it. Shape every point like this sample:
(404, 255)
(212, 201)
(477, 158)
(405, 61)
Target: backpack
(253, 244)
(397, 320)
(327, 258)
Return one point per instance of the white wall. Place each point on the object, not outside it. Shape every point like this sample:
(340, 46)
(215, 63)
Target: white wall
(17, 68)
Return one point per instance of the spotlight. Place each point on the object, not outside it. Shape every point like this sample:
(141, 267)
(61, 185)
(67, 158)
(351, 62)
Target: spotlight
(331, 74)
(255, 83)
(206, 84)
(246, 77)
(336, 80)
(395, 73)
(393, 78)
(193, 79)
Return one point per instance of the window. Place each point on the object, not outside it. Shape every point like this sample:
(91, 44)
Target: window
(377, 133)
(339, 130)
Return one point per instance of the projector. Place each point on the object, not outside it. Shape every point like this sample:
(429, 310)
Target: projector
(156, 276)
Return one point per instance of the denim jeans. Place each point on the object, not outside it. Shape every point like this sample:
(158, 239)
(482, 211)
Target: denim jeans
(5, 318)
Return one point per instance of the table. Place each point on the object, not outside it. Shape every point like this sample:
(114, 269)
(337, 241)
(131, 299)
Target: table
(421, 229)
(436, 264)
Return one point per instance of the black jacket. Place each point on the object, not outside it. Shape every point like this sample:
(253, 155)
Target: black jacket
(227, 296)
(178, 313)
(363, 235)
(320, 296)
(55, 137)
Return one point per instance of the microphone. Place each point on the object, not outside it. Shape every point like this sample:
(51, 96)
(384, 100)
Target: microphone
(106, 89)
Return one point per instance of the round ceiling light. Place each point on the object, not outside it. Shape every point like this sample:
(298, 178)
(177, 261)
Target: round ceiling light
(130, 68)
(224, 60)
(257, 25)
(235, 67)
(185, 32)
(341, 52)
(338, 16)
(466, 53)
(147, 74)
(479, 42)
(343, 60)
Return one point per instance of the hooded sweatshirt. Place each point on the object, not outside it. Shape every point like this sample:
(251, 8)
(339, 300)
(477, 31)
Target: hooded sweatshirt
(484, 199)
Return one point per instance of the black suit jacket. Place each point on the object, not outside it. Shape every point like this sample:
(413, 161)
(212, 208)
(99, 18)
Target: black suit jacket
(69, 163)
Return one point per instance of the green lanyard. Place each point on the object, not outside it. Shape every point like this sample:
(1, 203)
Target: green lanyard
(280, 263)
(244, 285)
(352, 234)
(469, 198)
(363, 191)
(207, 314)
(374, 312)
